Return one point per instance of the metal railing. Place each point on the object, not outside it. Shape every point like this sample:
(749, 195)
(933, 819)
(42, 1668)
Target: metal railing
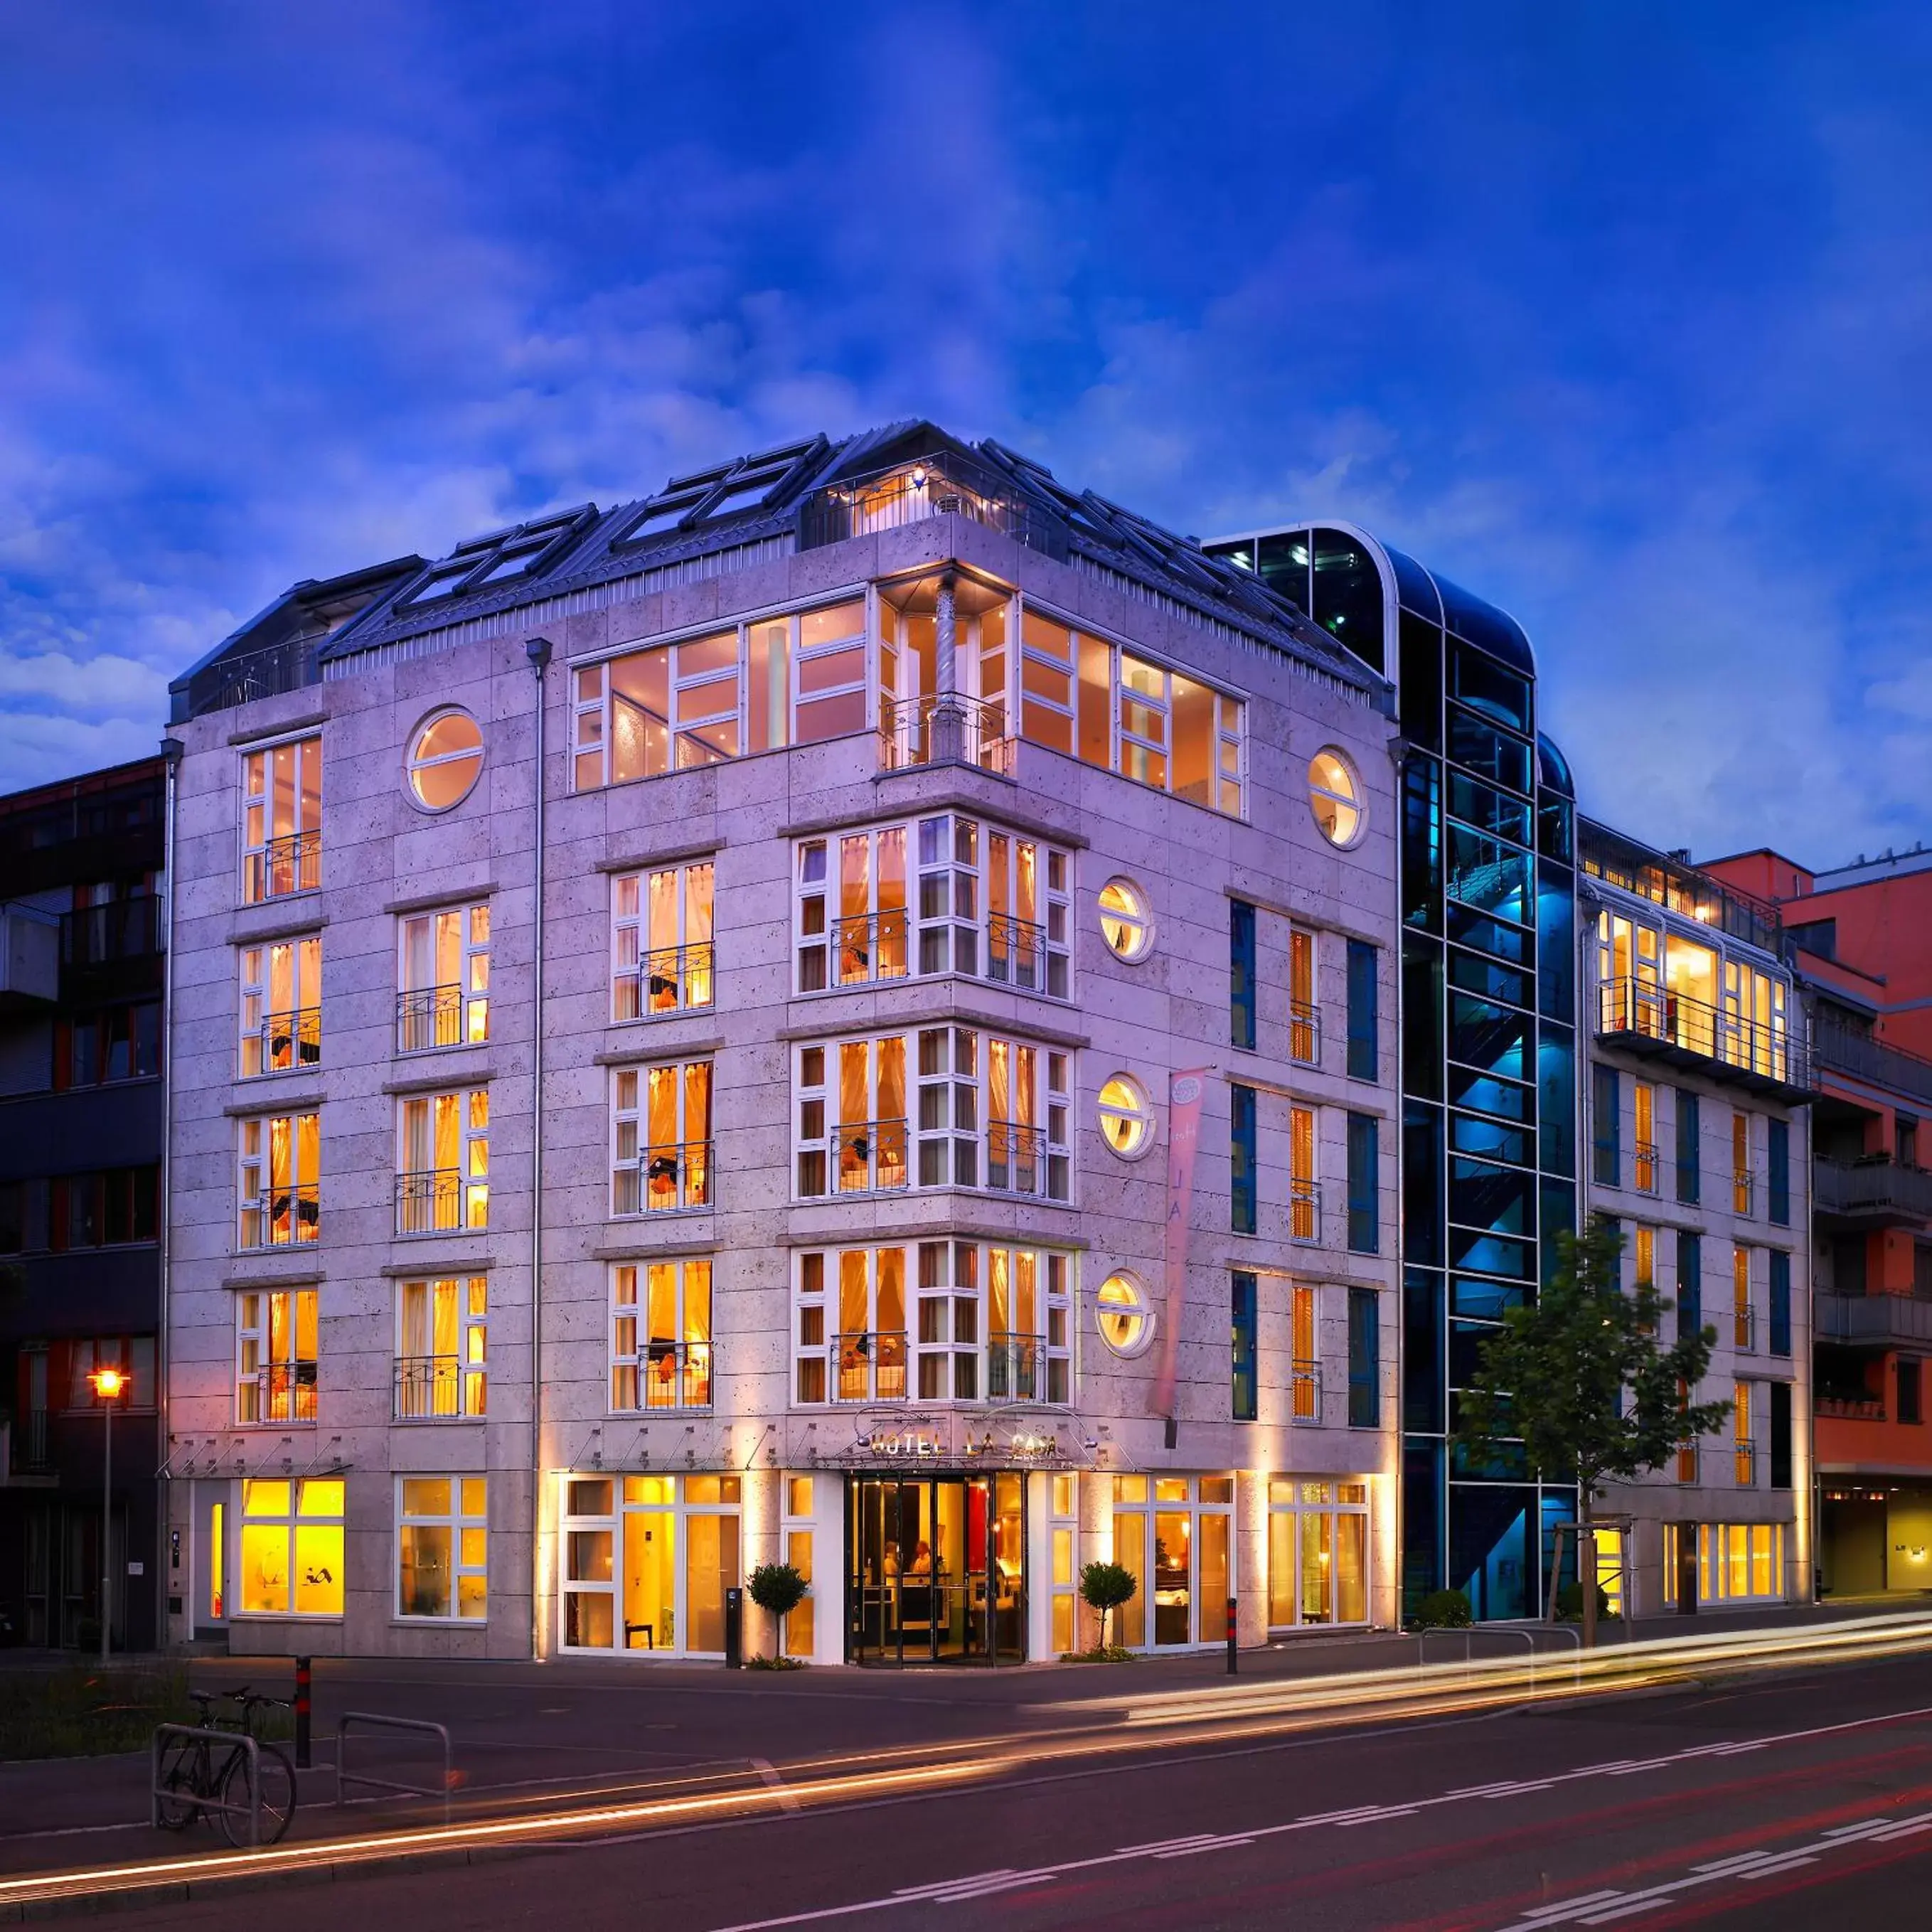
(292, 864)
(290, 1219)
(1850, 1409)
(667, 1176)
(1304, 1032)
(870, 946)
(282, 1392)
(1644, 1166)
(287, 1040)
(122, 929)
(668, 980)
(1844, 1049)
(1305, 1391)
(910, 493)
(1017, 956)
(867, 1155)
(915, 731)
(431, 1017)
(241, 679)
(390, 1786)
(1744, 1451)
(1015, 1158)
(230, 1744)
(1744, 1328)
(1873, 1319)
(1013, 1368)
(429, 1387)
(1876, 1187)
(434, 1200)
(1744, 1190)
(1639, 1009)
(869, 1367)
(668, 1374)
(1304, 1210)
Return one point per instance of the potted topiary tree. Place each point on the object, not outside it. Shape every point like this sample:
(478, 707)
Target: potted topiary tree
(1105, 1587)
(778, 1589)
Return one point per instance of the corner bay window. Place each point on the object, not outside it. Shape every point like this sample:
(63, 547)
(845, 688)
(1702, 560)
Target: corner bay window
(275, 1355)
(972, 1322)
(292, 1547)
(647, 1560)
(441, 1542)
(278, 1160)
(662, 956)
(281, 805)
(281, 1005)
(990, 1113)
(661, 1346)
(661, 1137)
(443, 1162)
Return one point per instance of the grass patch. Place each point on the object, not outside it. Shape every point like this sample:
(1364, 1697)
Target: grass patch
(82, 1710)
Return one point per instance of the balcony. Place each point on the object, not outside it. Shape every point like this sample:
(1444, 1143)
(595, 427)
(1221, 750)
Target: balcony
(668, 979)
(1304, 1033)
(868, 947)
(666, 1375)
(668, 1176)
(869, 1367)
(1839, 1048)
(1015, 1158)
(911, 492)
(917, 731)
(435, 1200)
(1304, 1210)
(1875, 1193)
(284, 1043)
(440, 1016)
(1849, 1409)
(438, 1388)
(864, 1156)
(122, 929)
(283, 1392)
(284, 866)
(1873, 1321)
(1743, 1329)
(1651, 1022)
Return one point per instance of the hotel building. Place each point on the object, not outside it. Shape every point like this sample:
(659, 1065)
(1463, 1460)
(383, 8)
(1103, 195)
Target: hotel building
(843, 1012)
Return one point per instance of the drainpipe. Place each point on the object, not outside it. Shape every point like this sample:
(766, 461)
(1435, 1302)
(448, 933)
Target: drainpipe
(171, 751)
(538, 650)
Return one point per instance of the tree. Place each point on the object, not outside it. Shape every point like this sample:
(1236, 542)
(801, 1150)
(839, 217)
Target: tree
(1105, 1587)
(1580, 1381)
(778, 1589)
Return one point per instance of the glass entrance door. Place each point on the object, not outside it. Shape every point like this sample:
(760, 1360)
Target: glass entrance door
(936, 1569)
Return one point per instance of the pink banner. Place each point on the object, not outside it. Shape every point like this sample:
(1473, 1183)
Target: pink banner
(1183, 1135)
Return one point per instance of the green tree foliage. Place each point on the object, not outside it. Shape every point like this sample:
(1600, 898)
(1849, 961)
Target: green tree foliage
(778, 1589)
(1105, 1587)
(1581, 1382)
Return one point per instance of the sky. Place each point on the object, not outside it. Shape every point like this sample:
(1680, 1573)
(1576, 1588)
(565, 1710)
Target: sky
(1619, 315)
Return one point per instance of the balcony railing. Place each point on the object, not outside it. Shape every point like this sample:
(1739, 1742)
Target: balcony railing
(869, 947)
(431, 1017)
(1743, 1330)
(666, 1375)
(292, 864)
(1645, 1167)
(1304, 1032)
(1647, 1018)
(290, 1219)
(1015, 1158)
(668, 979)
(283, 1392)
(1849, 1408)
(867, 1155)
(122, 929)
(915, 731)
(1843, 1049)
(1875, 1320)
(667, 1176)
(1744, 1190)
(266, 673)
(1017, 956)
(431, 1386)
(1875, 1191)
(1014, 1369)
(434, 1200)
(938, 486)
(1745, 1453)
(286, 1041)
(1304, 1210)
(869, 1367)
(1305, 1391)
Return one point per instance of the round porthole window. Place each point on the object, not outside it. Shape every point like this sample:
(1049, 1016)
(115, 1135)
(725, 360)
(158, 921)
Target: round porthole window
(1126, 924)
(1126, 1116)
(1335, 796)
(1122, 1315)
(445, 760)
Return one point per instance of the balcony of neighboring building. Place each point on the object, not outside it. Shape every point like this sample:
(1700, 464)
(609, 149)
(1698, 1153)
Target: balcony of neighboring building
(1875, 1192)
(1869, 1321)
(1839, 1046)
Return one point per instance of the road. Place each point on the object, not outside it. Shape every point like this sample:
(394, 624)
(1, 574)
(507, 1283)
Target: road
(1800, 1797)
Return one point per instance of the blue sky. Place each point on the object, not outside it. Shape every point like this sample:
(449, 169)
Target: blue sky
(1620, 315)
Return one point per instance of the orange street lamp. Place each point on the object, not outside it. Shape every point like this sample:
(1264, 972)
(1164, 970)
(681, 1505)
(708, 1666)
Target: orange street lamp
(108, 1386)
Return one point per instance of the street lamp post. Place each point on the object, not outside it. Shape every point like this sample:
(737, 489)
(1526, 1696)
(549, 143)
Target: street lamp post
(107, 1384)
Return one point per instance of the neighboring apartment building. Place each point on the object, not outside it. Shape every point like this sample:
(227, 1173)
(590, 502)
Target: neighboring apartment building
(1698, 1098)
(1862, 940)
(82, 959)
(1489, 1050)
(843, 1012)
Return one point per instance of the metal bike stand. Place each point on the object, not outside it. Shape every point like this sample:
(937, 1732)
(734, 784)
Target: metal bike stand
(395, 1787)
(228, 1740)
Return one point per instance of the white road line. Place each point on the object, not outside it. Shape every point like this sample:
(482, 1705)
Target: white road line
(769, 1771)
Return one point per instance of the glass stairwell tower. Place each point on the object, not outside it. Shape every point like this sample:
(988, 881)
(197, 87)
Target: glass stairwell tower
(1488, 1049)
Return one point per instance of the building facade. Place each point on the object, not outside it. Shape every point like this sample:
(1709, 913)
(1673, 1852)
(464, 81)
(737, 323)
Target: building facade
(1698, 1109)
(843, 1012)
(82, 938)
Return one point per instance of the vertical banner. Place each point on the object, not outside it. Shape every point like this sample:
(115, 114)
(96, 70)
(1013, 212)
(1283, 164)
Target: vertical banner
(1184, 1135)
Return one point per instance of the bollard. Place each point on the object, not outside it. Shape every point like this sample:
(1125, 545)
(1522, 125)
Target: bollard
(301, 1714)
(734, 1630)
(1234, 1664)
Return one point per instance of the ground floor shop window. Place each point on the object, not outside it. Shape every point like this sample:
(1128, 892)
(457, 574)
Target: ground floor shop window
(292, 1535)
(1063, 1529)
(441, 1539)
(1318, 1551)
(647, 1561)
(1737, 1562)
(1173, 1535)
(800, 1626)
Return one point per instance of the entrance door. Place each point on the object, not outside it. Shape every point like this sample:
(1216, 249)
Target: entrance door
(936, 1569)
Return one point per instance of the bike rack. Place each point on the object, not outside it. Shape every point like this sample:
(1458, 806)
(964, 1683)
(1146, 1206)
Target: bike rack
(344, 1777)
(239, 1740)
(1470, 1632)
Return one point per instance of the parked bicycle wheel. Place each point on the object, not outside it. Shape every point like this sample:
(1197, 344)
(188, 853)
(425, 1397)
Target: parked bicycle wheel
(180, 1784)
(278, 1795)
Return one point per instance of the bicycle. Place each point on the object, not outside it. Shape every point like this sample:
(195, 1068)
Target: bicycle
(195, 1773)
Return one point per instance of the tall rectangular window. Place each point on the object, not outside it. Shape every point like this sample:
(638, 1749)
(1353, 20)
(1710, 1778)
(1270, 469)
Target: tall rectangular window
(661, 1344)
(1779, 1322)
(1364, 1039)
(1247, 1374)
(1778, 1172)
(1743, 1444)
(1364, 1360)
(291, 1546)
(1741, 1176)
(1644, 1145)
(661, 949)
(1780, 1435)
(1690, 1283)
(1304, 1195)
(281, 1005)
(1364, 1185)
(1606, 1129)
(442, 1354)
(1244, 1163)
(661, 1137)
(442, 979)
(1689, 1157)
(281, 808)
(278, 1186)
(1744, 1323)
(441, 1542)
(1304, 1011)
(1240, 973)
(275, 1355)
(1910, 1376)
(1305, 1362)
(442, 1162)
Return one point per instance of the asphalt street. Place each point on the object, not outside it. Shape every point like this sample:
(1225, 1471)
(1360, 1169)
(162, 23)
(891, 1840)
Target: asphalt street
(1781, 1799)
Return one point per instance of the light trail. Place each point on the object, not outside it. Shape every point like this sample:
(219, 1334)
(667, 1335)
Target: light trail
(1128, 1725)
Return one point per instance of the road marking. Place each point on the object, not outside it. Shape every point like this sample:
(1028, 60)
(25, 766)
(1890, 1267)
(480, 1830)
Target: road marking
(769, 1771)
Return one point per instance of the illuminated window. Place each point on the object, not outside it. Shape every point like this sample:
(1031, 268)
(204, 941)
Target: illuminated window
(647, 1561)
(445, 761)
(442, 1162)
(442, 1540)
(660, 1354)
(292, 1547)
(281, 839)
(275, 1352)
(661, 958)
(278, 1189)
(661, 1137)
(1334, 796)
(442, 971)
(1126, 923)
(1126, 1116)
(441, 1334)
(281, 1005)
(1317, 1553)
(1122, 1315)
